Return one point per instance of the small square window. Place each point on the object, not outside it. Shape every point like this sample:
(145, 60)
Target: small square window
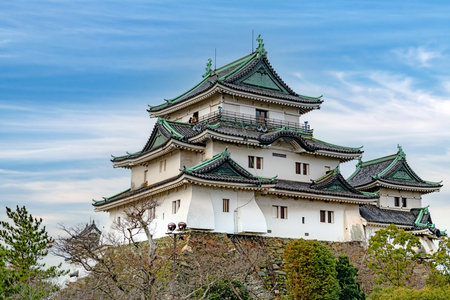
(226, 205)
(396, 201)
(280, 212)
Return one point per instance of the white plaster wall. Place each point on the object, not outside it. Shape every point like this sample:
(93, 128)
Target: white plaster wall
(173, 165)
(224, 221)
(353, 224)
(292, 227)
(190, 158)
(203, 107)
(414, 199)
(271, 107)
(137, 176)
(248, 110)
(250, 217)
(272, 165)
(201, 213)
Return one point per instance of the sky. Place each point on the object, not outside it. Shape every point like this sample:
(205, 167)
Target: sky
(76, 78)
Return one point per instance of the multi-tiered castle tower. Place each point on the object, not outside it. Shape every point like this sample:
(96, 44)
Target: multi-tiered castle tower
(233, 154)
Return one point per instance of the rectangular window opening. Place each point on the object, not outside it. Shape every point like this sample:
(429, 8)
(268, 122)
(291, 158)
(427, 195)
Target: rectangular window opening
(330, 216)
(396, 201)
(176, 206)
(279, 155)
(226, 205)
(305, 169)
(251, 162)
(259, 162)
(261, 115)
(283, 212)
(404, 202)
(152, 213)
(303, 220)
(322, 216)
(298, 168)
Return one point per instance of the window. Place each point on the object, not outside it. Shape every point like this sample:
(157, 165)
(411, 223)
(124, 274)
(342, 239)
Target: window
(118, 221)
(396, 201)
(303, 220)
(305, 169)
(279, 212)
(255, 162)
(145, 176)
(298, 168)
(404, 202)
(152, 213)
(226, 205)
(330, 216)
(261, 115)
(162, 166)
(322, 216)
(326, 216)
(301, 168)
(279, 155)
(175, 206)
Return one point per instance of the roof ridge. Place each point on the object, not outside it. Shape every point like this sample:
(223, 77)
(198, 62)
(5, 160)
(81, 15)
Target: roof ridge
(167, 126)
(237, 70)
(233, 63)
(216, 157)
(327, 175)
(330, 144)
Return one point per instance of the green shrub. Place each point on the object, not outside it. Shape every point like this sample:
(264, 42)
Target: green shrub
(346, 275)
(403, 293)
(311, 271)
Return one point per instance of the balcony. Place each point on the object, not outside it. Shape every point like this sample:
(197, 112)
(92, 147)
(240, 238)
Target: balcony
(251, 121)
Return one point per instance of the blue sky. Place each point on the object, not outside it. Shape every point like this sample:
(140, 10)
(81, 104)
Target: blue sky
(76, 78)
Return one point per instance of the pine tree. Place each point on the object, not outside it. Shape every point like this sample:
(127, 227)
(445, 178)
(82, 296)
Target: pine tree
(346, 275)
(23, 243)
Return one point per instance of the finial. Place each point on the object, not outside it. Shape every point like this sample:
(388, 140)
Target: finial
(337, 170)
(260, 50)
(225, 152)
(400, 152)
(208, 68)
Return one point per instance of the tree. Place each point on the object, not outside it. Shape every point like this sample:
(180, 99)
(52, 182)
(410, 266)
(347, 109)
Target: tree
(311, 270)
(440, 261)
(23, 244)
(346, 276)
(390, 254)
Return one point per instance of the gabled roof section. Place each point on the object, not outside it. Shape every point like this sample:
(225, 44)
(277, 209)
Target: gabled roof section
(334, 181)
(250, 74)
(392, 170)
(222, 168)
(415, 219)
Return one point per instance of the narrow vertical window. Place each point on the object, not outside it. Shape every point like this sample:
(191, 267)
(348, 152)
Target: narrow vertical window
(226, 205)
(259, 162)
(330, 216)
(298, 168)
(145, 176)
(283, 212)
(305, 169)
(152, 213)
(396, 201)
(322, 216)
(404, 202)
(303, 220)
(251, 162)
(118, 221)
(165, 163)
(275, 211)
(175, 206)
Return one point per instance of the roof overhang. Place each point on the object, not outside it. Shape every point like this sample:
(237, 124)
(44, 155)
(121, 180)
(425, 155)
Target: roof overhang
(221, 89)
(328, 198)
(167, 148)
(379, 183)
(343, 157)
(210, 134)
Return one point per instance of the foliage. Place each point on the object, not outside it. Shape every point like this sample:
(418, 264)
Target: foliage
(404, 293)
(225, 289)
(311, 270)
(346, 276)
(390, 255)
(23, 243)
(440, 261)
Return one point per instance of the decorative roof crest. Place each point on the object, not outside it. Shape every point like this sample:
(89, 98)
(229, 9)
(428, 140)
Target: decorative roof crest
(400, 152)
(260, 50)
(208, 68)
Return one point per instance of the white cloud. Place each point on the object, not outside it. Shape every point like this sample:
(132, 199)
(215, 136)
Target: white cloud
(417, 56)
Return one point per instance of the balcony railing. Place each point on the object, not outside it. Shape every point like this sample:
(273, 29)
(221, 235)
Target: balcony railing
(262, 124)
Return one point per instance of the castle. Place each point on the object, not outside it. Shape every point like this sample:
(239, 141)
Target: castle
(233, 155)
